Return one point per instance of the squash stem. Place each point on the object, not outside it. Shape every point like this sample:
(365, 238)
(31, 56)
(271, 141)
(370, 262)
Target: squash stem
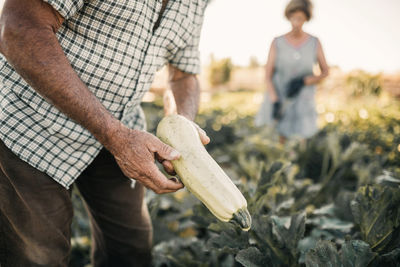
(243, 218)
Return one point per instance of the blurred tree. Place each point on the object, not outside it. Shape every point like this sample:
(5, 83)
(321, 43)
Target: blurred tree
(220, 71)
(253, 62)
(364, 83)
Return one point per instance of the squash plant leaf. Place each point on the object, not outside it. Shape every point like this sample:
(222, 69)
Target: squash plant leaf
(325, 254)
(376, 209)
(228, 237)
(356, 253)
(389, 259)
(272, 232)
(252, 257)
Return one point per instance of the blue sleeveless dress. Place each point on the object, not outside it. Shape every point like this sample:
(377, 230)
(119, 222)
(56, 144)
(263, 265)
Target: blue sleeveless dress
(299, 114)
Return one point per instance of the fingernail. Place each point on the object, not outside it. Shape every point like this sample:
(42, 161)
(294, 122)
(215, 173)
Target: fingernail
(174, 154)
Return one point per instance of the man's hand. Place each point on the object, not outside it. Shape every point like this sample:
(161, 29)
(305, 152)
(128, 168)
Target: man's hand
(135, 152)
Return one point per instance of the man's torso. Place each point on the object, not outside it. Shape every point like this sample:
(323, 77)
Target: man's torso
(116, 50)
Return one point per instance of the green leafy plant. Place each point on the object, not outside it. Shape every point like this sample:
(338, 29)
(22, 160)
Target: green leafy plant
(363, 83)
(376, 209)
(354, 253)
(334, 200)
(220, 71)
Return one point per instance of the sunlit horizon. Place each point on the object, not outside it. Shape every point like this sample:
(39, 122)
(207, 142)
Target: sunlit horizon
(355, 34)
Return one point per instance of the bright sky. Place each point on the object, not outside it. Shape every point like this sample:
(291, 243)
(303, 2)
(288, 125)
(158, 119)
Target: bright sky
(360, 34)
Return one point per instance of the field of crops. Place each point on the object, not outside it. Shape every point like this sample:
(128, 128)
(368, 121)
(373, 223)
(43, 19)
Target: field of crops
(333, 201)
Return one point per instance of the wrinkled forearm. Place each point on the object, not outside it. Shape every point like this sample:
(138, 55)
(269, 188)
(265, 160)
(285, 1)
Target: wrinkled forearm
(36, 55)
(186, 92)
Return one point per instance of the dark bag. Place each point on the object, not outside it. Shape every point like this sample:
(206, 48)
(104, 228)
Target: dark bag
(277, 110)
(294, 87)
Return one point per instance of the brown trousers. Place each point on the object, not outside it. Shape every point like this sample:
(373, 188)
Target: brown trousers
(36, 214)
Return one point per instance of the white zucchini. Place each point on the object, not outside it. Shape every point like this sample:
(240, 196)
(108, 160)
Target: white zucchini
(201, 174)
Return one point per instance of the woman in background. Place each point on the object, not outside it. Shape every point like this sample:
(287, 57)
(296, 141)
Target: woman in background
(289, 102)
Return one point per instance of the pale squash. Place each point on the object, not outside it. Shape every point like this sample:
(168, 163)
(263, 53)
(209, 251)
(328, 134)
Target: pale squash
(201, 174)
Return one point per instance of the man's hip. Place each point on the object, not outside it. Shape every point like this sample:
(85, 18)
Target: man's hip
(36, 214)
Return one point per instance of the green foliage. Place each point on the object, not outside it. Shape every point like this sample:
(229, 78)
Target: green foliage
(251, 257)
(220, 71)
(376, 209)
(325, 254)
(80, 253)
(331, 202)
(354, 253)
(297, 196)
(363, 83)
(277, 240)
(389, 259)
(380, 132)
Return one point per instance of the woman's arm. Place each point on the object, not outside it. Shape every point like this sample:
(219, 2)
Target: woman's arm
(309, 80)
(269, 71)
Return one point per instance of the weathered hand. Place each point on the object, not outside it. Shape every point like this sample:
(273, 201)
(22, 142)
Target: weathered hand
(136, 154)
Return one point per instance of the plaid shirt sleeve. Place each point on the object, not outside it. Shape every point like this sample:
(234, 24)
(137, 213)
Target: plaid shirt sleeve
(187, 59)
(67, 8)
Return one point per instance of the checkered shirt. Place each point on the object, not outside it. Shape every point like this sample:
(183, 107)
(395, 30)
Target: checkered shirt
(112, 46)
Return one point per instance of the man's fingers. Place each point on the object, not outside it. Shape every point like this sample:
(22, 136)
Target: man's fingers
(162, 184)
(150, 185)
(204, 138)
(159, 158)
(163, 150)
(168, 167)
(203, 135)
